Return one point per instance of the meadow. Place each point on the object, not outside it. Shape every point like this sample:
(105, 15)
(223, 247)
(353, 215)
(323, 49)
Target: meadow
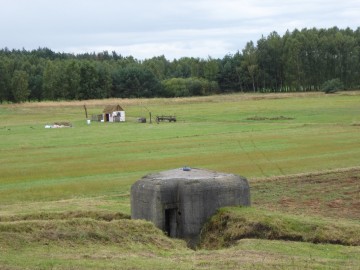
(64, 193)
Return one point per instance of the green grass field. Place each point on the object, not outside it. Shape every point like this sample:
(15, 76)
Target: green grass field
(266, 138)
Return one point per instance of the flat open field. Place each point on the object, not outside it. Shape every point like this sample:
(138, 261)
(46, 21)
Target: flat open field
(300, 152)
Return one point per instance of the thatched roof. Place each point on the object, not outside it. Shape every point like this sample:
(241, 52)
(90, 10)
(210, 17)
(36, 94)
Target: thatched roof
(113, 108)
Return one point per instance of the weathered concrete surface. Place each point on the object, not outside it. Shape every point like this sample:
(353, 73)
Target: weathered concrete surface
(179, 202)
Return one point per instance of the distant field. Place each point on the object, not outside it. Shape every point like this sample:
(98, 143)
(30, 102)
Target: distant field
(39, 164)
(300, 152)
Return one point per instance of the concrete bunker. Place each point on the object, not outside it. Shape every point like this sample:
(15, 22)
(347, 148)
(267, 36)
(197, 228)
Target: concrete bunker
(180, 201)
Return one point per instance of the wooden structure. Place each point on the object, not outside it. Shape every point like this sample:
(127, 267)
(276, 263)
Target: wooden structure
(141, 120)
(162, 118)
(97, 117)
(114, 113)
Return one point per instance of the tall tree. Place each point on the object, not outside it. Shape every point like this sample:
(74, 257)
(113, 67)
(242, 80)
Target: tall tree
(293, 71)
(135, 81)
(270, 62)
(89, 88)
(228, 80)
(53, 88)
(104, 79)
(211, 69)
(20, 86)
(5, 81)
(72, 79)
(250, 62)
(159, 66)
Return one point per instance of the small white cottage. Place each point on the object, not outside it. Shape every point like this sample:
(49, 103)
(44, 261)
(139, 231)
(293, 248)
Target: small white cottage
(114, 113)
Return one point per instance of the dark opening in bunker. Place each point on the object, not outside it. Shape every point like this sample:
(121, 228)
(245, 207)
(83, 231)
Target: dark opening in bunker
(170, 221)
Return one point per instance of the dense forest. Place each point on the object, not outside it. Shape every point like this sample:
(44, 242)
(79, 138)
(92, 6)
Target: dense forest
(301, 60)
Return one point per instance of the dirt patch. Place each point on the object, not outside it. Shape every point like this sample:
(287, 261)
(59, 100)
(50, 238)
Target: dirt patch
(336, 203)
(334, 194)
(276, 118)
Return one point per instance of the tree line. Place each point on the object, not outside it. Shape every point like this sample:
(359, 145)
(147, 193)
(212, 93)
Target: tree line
(301, 60)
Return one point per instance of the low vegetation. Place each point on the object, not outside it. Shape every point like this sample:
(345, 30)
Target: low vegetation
(332, 86)
(84, 230)
(232, 224)
(96, 215)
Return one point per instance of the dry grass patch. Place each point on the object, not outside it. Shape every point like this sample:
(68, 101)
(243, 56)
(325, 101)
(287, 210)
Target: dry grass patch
(96, 215)
(182, 100)
(333, 193)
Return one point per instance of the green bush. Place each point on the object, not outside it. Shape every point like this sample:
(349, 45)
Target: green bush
(331, 86)
(184, 87)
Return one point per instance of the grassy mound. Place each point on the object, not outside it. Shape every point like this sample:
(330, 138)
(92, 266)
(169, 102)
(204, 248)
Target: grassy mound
(85, 240)
(83, 228)
(232, 224)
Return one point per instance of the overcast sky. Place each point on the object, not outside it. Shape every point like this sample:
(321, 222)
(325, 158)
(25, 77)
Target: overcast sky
(174, 28)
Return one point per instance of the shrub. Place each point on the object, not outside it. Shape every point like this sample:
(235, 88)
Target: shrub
(331, 86)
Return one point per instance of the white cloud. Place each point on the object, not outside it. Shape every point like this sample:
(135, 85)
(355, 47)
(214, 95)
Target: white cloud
(171, 50)
(174, 28)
